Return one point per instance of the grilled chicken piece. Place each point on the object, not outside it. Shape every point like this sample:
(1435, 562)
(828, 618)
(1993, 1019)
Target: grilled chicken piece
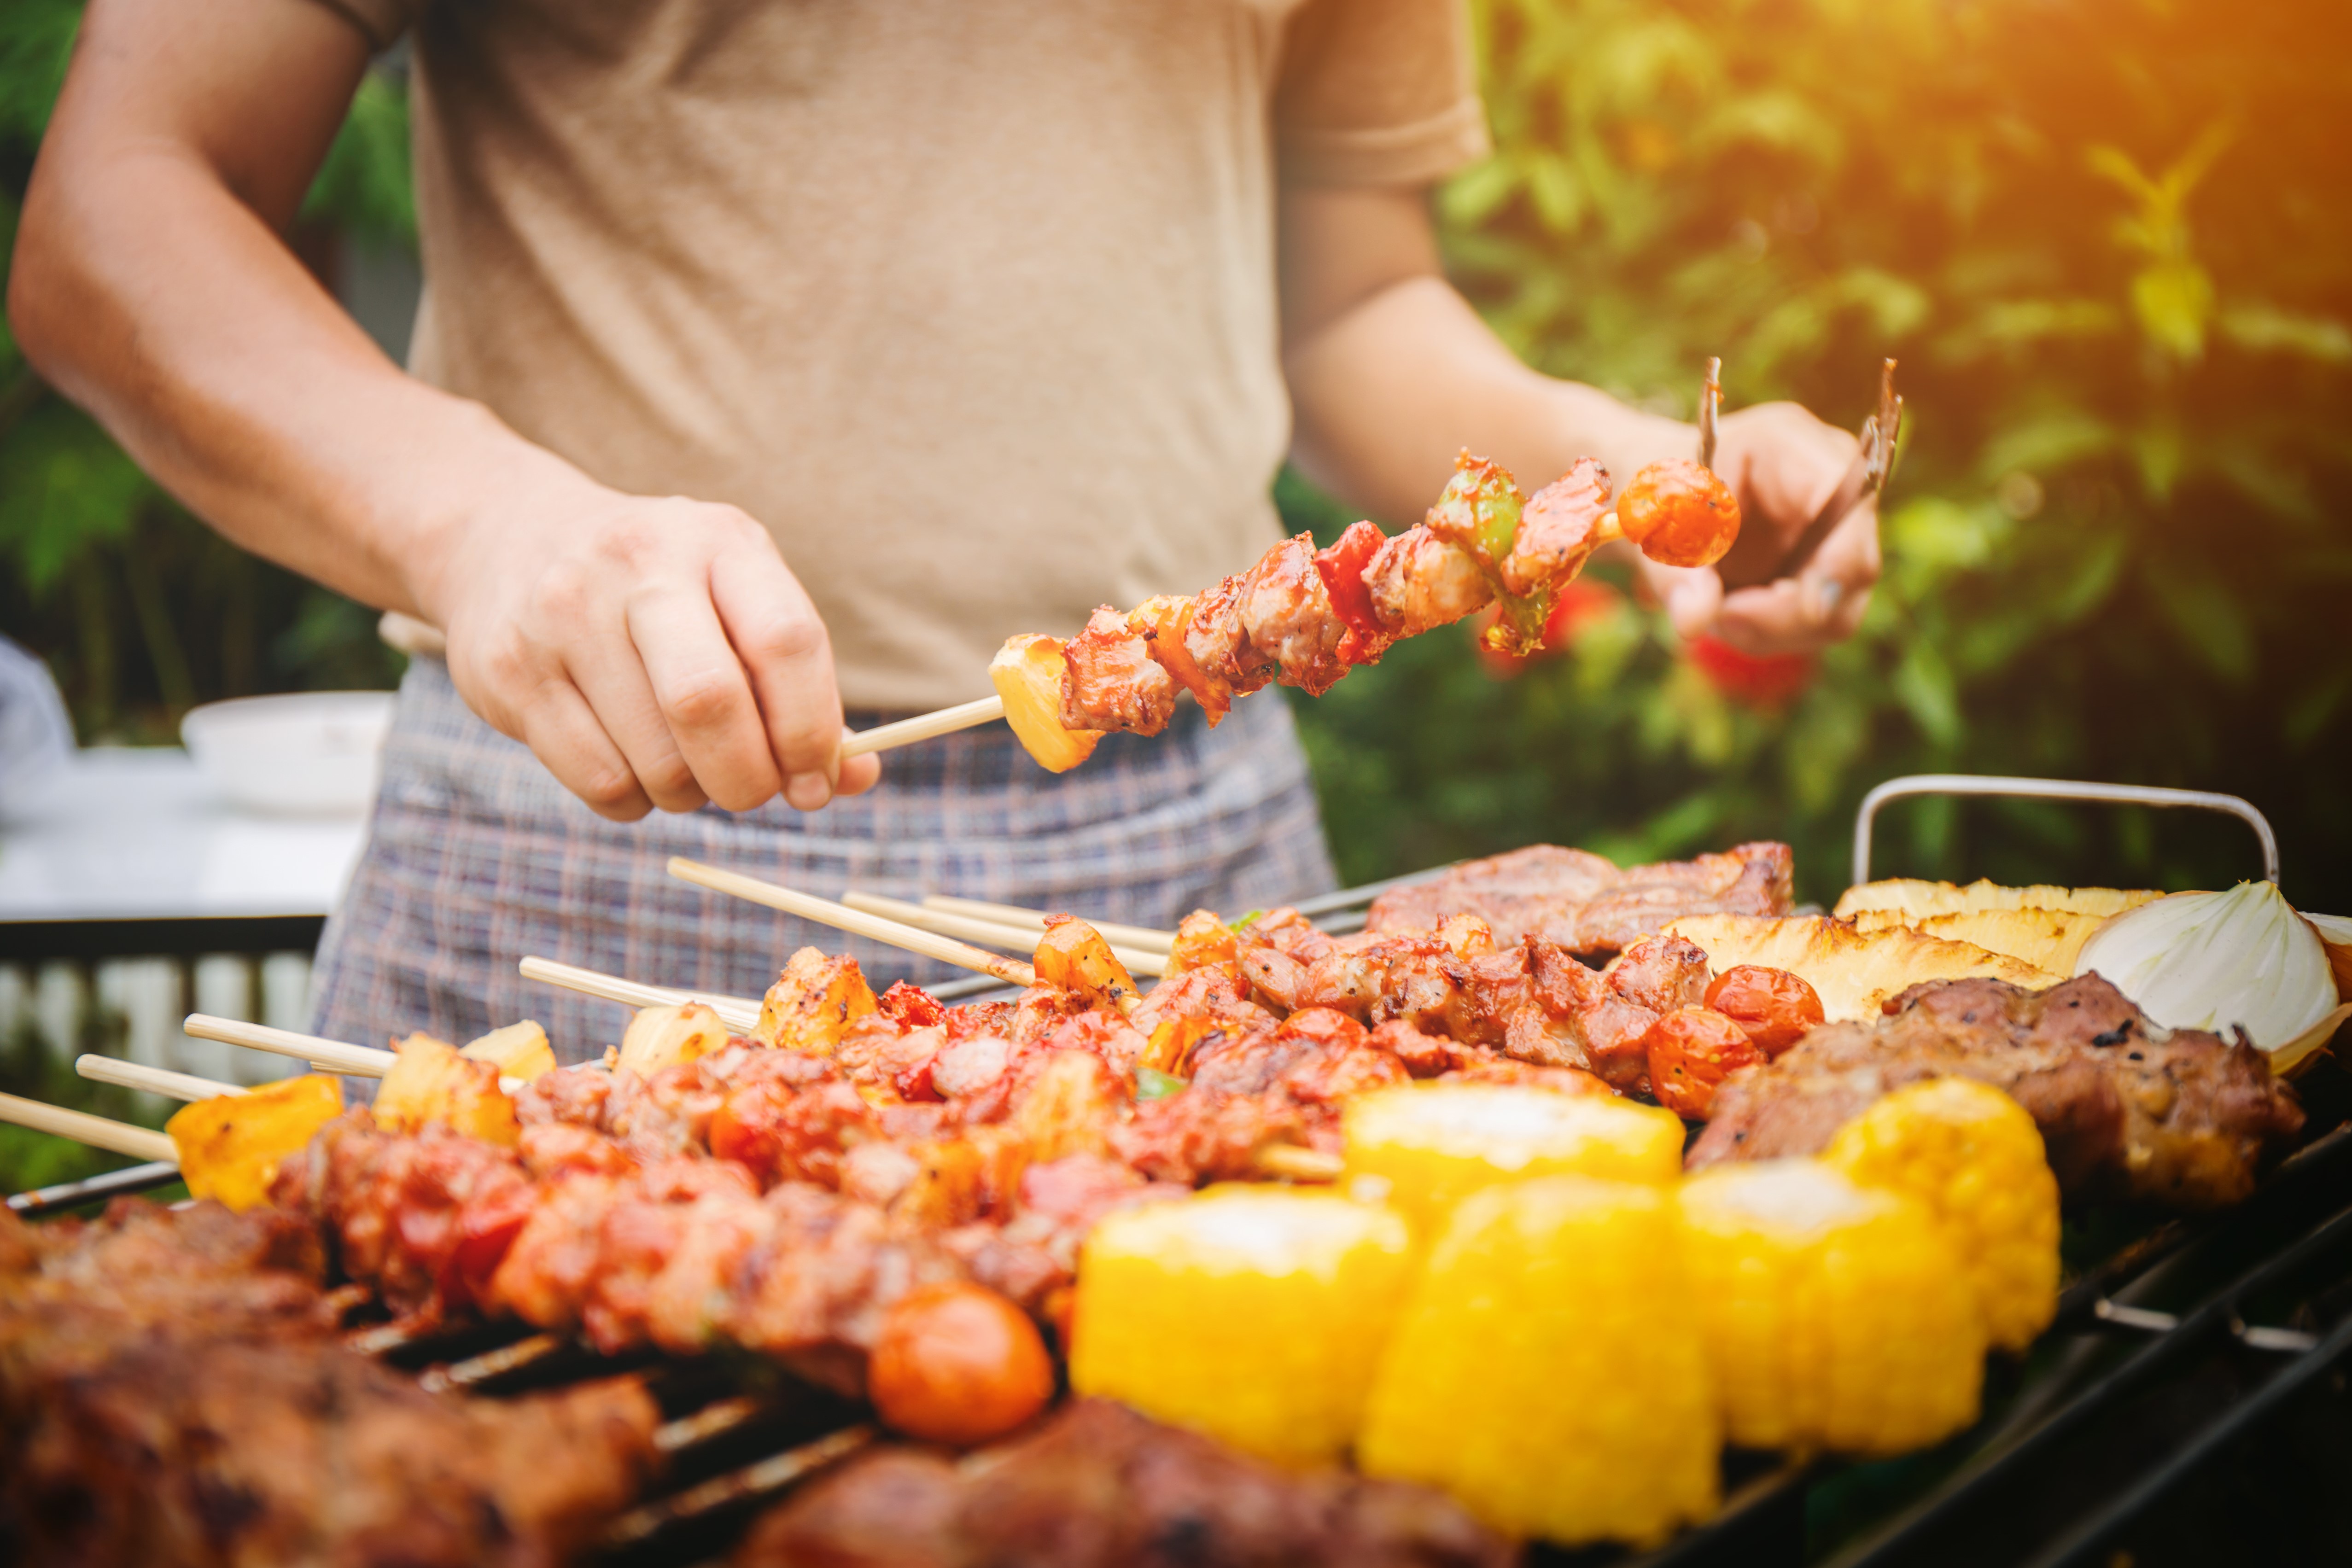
(1110, 680)
(1098, 1486)
(1585, 904)
(2177, 1117)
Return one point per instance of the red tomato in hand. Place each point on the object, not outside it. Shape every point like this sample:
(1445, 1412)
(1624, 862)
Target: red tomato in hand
(1775, 1006)
(1691, 1050)
(958, 1364)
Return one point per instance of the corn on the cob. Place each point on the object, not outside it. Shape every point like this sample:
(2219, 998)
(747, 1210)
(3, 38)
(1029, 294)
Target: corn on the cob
(1253, 1314)
(1834, 1316)
(1435, 1143)
(1974, 1157)
(1547, 1371)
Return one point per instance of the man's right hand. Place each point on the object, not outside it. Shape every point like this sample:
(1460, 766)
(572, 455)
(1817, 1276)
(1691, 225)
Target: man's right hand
(652, 653)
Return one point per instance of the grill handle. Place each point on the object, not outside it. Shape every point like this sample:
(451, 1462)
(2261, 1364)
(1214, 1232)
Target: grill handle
(2055, 790)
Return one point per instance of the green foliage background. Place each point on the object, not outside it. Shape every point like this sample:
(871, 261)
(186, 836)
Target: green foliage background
(2106, 237)
(2108, 240)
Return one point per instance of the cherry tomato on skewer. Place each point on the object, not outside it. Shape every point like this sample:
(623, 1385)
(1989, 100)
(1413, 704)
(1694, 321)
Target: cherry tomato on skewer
(1679, 513)
(1775, 1006)
(1692, 1051)
(958, 1364)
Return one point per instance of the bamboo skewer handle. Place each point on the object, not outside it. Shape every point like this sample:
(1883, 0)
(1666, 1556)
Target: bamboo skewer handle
(326, 1055)
(997, 932)
(924, 727)
(857, 922)
(1033, 921)
(98, 1132)
(740, 1014)
(154, 1079)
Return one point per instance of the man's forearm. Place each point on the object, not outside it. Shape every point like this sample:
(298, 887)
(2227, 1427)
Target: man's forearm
(232, 377)
(151, 285)
(1386, 392)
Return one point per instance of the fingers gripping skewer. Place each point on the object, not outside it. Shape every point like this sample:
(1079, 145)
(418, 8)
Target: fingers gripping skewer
(857, 922)
(997, 932)
(1864, 479)
(740, 1014)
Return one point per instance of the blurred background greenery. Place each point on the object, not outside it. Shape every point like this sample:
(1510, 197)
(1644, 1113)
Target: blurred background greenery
(2106, 237)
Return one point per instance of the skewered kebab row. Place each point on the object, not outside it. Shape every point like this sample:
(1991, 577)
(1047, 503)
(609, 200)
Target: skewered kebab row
(1303, 617)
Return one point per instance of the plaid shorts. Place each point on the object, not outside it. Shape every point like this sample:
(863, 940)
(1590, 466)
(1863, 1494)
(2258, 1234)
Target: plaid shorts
(477, 857)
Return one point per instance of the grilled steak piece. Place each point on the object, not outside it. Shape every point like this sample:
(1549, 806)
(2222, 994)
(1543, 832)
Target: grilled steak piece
(1099, 1486)
(172, 1391)
(1585, 904)
(2125, 1107)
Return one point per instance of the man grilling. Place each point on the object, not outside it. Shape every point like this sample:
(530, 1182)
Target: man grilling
(776, 360)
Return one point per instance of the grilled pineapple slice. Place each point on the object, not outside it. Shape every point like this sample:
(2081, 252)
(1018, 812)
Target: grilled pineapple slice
(1027, 673)
(1916, 900)
(1852, 971)
(2046, 938)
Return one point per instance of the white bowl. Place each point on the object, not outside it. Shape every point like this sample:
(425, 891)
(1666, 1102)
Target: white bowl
(305, 753)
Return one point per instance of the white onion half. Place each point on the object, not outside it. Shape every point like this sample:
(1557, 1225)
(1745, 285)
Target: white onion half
(2217, 960)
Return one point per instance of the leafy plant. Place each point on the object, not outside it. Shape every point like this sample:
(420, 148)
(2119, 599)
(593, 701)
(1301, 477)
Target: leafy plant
(2105, 241)
(141, 610)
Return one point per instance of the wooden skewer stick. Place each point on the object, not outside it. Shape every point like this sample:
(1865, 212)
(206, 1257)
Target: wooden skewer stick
(1033, 921)
(154, 1079)
(326, 1055)
(857, 922)
(738, 1013)
(998, 933)
(924, 727)
(98, 1132)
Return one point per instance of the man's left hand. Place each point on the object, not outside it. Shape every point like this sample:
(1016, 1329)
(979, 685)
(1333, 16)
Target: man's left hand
(1784, 465)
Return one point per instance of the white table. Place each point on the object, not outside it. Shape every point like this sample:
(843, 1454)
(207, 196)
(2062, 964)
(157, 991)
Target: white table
(132, 853)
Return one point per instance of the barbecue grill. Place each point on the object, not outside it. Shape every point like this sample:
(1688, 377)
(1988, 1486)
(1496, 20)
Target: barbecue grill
(2181, 1347)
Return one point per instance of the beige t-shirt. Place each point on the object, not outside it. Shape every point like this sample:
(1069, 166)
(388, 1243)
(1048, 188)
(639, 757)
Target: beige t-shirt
(972, 302)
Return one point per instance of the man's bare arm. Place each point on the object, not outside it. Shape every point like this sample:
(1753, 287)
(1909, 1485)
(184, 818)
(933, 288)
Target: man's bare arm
(1392, 372)
(653, 653)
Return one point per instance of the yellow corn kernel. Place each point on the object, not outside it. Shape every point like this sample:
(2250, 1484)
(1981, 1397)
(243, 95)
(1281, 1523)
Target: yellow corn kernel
(1253, 1314)
(231, 1145)
(1436, 1144)
(1973, 1155)
(1833, 1316)
(1547, 1370)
